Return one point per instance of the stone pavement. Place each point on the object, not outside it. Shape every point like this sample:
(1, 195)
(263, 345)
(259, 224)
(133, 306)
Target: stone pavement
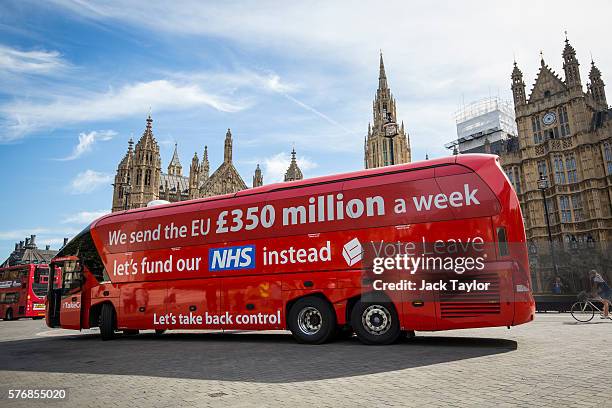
(550, 362)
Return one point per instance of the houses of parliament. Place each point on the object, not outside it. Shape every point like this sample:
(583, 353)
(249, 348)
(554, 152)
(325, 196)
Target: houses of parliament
(139, 178)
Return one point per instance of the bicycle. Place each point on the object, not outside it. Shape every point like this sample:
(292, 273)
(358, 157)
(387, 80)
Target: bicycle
(584, 310)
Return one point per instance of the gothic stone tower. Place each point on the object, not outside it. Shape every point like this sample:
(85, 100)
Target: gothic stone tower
(385, 144)
(146, 169)
(293, 172)
(139, 178)
(122, 183)
(138, 175)
(564, 136)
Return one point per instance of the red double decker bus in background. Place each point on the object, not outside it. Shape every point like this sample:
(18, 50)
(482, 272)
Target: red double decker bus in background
(23, 289)
(291, 256)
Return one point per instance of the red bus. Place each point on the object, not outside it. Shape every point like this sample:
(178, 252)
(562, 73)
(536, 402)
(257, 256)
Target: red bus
(23, 289)
(291, 256)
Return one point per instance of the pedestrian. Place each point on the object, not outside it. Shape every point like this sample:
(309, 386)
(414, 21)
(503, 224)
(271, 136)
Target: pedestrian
(601, 291)
(557, 286)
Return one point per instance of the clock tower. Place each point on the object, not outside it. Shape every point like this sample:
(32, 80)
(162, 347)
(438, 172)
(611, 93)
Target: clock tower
(387, 143)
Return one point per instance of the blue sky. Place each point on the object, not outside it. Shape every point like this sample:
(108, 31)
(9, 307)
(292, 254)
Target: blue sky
(78, 79)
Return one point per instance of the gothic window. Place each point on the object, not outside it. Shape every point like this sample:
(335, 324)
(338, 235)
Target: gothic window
(555, 132)
(570, 166)
(536, 126)
(558, 168)
(577, 207)
(566, 213)
(385, 158)
(514, 177)
(608, 156)
(542, 168)
(553, 214)
(547, 94)
(138, 177)
(563, 122)
(147, 180)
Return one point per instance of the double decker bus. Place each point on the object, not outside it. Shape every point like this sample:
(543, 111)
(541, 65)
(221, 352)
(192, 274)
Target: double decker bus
(23, 289)
(294, 256)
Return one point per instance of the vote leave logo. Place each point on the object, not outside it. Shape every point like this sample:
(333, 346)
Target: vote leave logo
(352, 252)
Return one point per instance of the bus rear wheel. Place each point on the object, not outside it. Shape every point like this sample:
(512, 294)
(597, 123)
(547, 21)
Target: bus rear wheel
(375, 322)
(107, 322)
(312, 320)
(9, 315)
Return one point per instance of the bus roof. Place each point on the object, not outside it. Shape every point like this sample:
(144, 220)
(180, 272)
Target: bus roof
(472, 161)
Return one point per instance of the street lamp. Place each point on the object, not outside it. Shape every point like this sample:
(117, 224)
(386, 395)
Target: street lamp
(543, 185)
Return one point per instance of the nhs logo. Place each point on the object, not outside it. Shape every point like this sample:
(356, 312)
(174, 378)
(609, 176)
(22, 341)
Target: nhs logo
(231, 258)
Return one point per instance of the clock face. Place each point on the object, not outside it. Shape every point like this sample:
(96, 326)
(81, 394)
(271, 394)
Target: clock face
(390, 130)
(549, 118)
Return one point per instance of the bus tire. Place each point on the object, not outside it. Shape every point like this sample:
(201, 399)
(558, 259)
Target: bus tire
(8, 316)
(312, 320)
(375, 322)
(107, 322)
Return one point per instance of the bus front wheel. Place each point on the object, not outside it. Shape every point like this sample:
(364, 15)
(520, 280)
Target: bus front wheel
(312, 320)
(375, 323)
(107, 322)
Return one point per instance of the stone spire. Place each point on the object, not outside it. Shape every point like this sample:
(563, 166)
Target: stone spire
(194, 176)
(175, 168)
(597, 86)
(227, 152)
(382, 75)
(123, 178)
(293, 172)
(205, 166)
(386, 143)
(257, 177)
(570, 65)
(518, 86)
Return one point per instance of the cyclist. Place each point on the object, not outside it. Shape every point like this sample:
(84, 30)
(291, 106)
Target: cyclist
(600, 291)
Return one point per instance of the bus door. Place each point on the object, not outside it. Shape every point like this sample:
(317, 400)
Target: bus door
(64, 302)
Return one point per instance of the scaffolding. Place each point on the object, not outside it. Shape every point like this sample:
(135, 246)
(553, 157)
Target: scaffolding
(492, 117)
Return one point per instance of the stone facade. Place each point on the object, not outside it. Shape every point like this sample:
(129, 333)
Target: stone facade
(139, 178)
(565, 140)
(386, 143)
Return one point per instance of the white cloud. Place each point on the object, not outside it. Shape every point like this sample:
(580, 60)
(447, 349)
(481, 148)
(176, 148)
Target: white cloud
(88, 181)
(437, 53)
(44, 235)
(22, 117)
(84, 217)
(86, 142)
(36, 62)
(275, 167)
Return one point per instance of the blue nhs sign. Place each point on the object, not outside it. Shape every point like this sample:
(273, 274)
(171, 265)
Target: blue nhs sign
(231, 258)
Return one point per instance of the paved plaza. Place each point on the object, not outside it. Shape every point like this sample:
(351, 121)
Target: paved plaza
(550, 362)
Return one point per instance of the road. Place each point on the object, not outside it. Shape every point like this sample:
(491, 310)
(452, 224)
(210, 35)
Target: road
(550, 362)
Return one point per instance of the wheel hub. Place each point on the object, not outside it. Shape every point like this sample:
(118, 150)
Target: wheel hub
(376, 319)
(310, 320)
